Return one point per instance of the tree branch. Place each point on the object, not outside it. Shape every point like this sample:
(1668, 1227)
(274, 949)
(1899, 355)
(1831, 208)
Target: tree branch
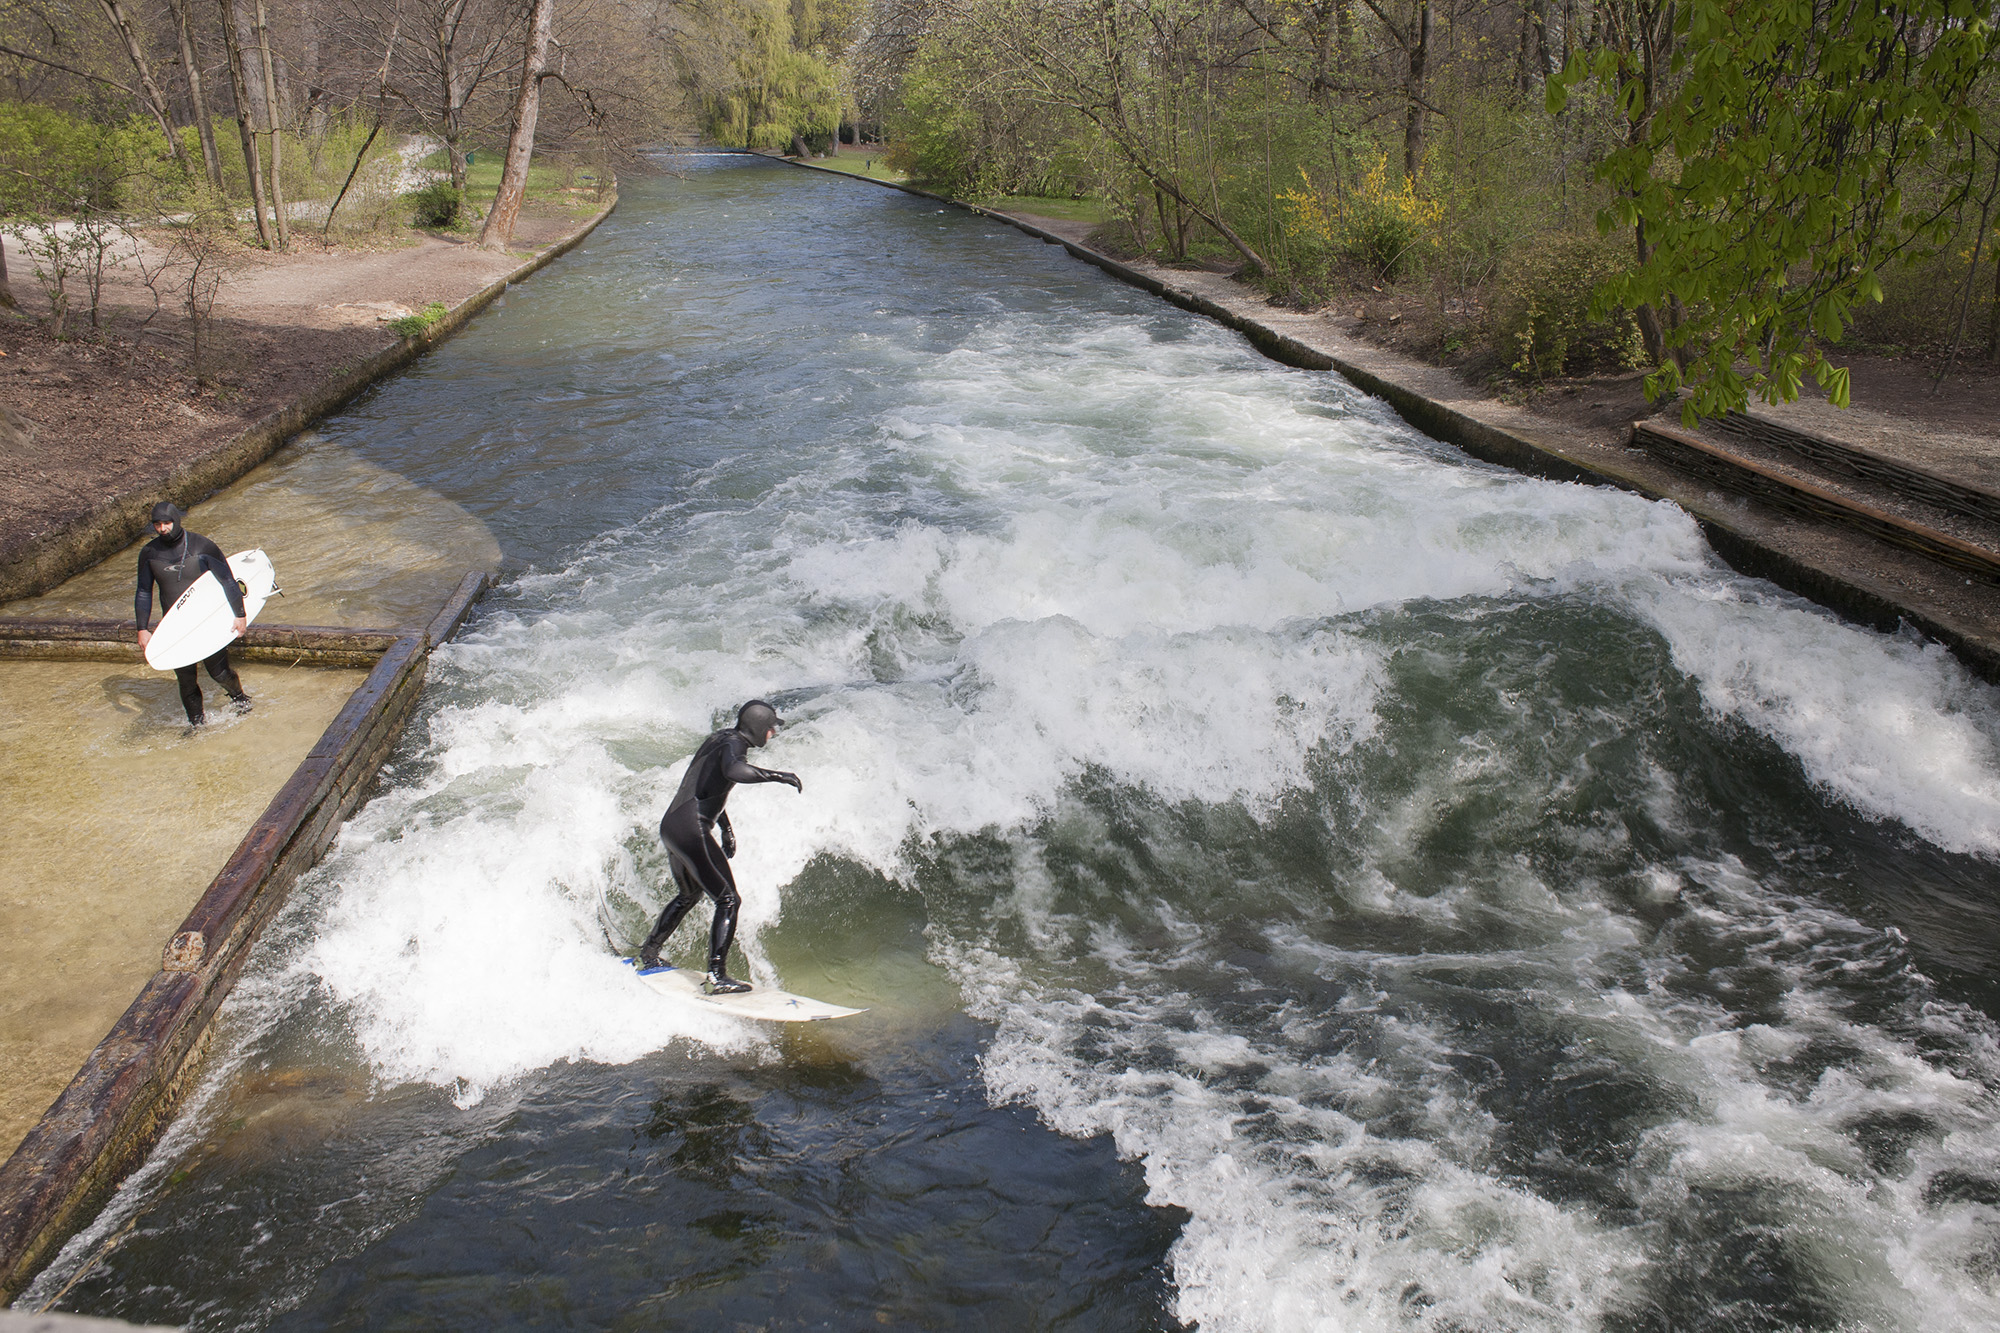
(67, 69)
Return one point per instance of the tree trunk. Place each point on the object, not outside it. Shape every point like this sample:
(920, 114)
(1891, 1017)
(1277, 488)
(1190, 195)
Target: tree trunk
(1521, 80)
(244, 127)
(499, 228)
(1993, 325)
(157, 104)
(211, 158)
(6, 291)
(1321, 93)
(271, 125)
(1413, 123)
(454, 101)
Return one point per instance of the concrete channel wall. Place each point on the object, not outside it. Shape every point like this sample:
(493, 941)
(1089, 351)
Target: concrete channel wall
(113, 1111)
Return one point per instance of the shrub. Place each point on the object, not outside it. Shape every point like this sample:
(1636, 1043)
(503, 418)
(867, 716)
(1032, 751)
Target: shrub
(1541, 315)
(1388, 229)
(935, 137)
(66, 185)
(437, 205)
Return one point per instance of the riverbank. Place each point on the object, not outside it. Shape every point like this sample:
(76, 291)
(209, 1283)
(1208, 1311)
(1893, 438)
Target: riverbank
(1886, 515)
(98, 427)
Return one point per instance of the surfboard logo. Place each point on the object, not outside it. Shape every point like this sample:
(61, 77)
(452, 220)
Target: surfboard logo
(201, 620)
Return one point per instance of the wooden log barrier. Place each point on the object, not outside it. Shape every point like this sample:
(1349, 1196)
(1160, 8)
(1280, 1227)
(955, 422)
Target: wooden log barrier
(114, 1110)
(114, 641)
(455, 609)
(1798, 496)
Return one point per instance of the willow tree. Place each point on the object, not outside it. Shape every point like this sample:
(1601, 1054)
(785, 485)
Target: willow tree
(781, 95)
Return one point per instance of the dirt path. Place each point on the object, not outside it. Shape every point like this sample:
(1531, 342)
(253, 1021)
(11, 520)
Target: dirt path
(110, 411)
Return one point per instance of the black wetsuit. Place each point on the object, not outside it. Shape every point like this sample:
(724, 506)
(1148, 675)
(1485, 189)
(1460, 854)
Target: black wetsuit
(174, 562)
(700, 866)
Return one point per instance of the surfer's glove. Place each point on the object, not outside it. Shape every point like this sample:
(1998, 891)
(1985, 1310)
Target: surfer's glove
(728, 837)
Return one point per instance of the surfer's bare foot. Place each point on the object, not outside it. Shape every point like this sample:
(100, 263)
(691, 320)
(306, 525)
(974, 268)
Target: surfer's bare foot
(721, 983)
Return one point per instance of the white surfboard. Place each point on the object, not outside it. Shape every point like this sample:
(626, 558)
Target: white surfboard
(770, 1006)
(200, 623)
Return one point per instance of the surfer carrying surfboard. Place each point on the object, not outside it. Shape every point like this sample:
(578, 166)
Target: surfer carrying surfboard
(688, 828)
(174, 559)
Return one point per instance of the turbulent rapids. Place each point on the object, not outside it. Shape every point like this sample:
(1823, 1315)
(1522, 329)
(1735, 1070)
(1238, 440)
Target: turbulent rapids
(1300, 878)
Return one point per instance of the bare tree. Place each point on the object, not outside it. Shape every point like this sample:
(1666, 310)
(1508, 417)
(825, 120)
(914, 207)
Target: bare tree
(468, 40)
(240, 87)
(1412, 35)
(499, 228)
(211, 159)
(121, 21)
(1140, 73)
(272, 126)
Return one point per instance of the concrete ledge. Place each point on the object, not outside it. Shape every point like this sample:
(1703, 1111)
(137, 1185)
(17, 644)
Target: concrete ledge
(1954, 496)
(1691, 454)
(455, 609)
(116, 523)
(113, 1111)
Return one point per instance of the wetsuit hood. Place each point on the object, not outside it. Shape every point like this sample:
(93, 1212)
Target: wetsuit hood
(166, 511)
(756, 720)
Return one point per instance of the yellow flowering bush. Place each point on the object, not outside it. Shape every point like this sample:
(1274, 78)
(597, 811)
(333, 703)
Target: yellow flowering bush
(1387, 226)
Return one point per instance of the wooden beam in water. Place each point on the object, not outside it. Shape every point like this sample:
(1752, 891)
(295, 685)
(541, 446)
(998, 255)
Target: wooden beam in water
(114, 641)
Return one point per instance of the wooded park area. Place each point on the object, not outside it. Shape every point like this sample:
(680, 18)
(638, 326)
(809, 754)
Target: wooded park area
(1722, 194)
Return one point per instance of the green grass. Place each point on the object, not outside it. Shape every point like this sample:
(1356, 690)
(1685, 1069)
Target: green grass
(412, 326)
(869, 162)
(1092, 211)
(860, 162)
(546, 181)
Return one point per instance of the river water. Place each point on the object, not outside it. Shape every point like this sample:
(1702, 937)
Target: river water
(1300, 878)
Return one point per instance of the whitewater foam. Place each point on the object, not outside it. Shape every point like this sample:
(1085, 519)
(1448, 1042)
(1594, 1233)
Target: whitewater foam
(1063, 555)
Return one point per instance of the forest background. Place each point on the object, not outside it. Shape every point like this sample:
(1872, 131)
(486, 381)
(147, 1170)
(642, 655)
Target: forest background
(1722, 194)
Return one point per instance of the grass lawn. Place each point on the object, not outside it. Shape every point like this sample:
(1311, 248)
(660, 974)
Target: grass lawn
(569, 184)
(859, 162)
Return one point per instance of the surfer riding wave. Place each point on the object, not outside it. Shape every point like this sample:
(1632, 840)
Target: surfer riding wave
(688, 827)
